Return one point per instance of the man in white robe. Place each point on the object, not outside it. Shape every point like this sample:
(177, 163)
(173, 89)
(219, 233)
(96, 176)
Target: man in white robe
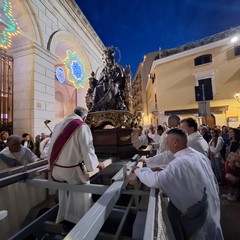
(15, 154)
(78, 148)
(185, 180)
(195, 141)
(153, 134)
(142, 136)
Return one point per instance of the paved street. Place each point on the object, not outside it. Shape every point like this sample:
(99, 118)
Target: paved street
(230, 218)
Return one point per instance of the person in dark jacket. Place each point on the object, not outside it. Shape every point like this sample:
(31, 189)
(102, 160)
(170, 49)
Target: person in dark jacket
(205, 133)
(27, 142)
(3, 139)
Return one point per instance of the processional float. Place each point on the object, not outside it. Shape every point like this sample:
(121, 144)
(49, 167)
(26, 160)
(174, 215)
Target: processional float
(123, 208)
(109, 100)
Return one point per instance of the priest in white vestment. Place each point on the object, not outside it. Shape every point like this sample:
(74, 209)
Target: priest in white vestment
(189, 182)
(75, 150)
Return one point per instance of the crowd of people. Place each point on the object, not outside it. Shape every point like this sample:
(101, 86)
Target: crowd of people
(169, 170)
(220, 144)
(70, 154)
(189, 163)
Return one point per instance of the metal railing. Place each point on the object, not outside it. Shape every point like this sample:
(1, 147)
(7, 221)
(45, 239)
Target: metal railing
(89, 227)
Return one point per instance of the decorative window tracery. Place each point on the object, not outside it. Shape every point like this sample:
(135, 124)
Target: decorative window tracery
(75, 69)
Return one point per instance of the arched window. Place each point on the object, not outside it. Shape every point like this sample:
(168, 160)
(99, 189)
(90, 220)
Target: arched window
(207, 58)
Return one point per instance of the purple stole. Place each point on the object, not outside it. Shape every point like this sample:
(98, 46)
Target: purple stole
(63, 137)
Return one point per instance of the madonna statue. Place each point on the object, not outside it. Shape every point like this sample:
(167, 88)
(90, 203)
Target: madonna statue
(107, 93)
(109, 102)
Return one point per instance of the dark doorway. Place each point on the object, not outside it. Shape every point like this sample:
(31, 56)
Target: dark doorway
(6, 92)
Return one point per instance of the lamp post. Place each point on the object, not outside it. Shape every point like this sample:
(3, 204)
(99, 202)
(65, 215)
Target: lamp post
(204, 104)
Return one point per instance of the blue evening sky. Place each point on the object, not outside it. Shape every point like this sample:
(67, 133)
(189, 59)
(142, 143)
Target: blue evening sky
(138, 27)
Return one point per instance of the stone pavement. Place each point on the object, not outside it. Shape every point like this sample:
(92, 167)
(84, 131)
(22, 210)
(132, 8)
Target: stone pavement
(230, 218)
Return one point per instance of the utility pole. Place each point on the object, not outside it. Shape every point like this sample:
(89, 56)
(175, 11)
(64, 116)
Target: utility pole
(204, 104)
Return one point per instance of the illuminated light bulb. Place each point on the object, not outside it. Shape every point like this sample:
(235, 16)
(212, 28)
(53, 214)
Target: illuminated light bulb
(234, 39)
(237, 96)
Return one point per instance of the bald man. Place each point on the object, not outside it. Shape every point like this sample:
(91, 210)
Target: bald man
(188, 181)
(15, 154)
(173, 121)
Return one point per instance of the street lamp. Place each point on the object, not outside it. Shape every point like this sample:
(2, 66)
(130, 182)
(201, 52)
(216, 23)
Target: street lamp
(237, 96)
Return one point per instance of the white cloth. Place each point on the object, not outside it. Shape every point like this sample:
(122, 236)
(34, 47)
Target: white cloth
(73, 205)
(155, 137)
(156, 142)
(160, 160)
(163, 142)
(197, 142)
(143, 139)
(43, 144)
(24, 156)
(45, 148)
(184, 180)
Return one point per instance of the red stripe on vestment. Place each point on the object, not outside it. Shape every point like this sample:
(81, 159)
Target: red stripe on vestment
(63, 137)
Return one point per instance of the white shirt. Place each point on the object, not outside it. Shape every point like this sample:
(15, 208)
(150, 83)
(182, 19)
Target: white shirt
(197, 142)
(43, 143)
(143, 139)
(45, 148)
(160, 160)
(163, 141)
(155, 137)
(216, 150)
(184, 180)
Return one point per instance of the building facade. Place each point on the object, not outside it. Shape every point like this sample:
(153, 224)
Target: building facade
(49, 59)
(139, 85)
(199, 80)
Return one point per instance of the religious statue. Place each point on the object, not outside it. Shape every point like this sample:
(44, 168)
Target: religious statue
(108, 92)
(110, 116)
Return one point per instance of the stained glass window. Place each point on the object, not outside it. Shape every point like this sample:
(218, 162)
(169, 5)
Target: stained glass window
(76, 73)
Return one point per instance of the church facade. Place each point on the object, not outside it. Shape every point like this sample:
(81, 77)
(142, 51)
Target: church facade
(46, 59)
